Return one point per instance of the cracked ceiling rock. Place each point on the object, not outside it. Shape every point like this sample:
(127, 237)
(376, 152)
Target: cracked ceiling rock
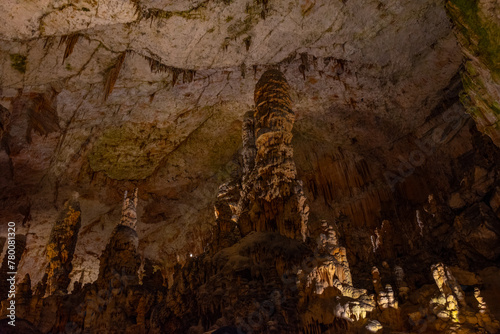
(132, 151)
(217, 33)
(86, 15)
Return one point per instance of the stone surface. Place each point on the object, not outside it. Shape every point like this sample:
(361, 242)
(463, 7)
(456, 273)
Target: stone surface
(388, 169)
(478, 30)
(172, 117)
(272, 199)
(61, 247)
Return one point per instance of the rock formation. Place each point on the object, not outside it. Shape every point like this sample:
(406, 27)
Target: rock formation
(269, 267)
(451, 308)
(119, 263)
(477, 27)
(61, 247)
(272, 198)
(349, 151)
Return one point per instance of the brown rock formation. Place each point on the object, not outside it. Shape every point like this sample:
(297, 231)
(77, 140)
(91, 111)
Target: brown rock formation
(61, 247)
(272, 198)
(452, 310)
(119, 263)
(272, 267)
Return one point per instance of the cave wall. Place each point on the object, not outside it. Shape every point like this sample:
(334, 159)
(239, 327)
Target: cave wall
(477, 27)
(99, 99)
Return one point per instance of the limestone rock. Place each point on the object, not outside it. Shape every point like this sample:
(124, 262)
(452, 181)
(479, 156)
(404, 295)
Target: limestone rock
(476, 26)
(102, 96)
(479, 226)
(119, 263)
(272, 199)
(61, 247)
(403, 288)
(373, 326)
(129, 211)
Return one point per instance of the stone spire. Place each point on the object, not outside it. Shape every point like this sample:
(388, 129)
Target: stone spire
(129, 210)
(271, 197)
(61, 247)
(119, 263)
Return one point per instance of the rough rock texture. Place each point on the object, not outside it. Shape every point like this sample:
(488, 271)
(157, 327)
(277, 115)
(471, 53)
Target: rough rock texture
(478, 31)
(259, 278)
(100, 97)
(61, 247)
(120, 260)
(114, 303)
(272, 199)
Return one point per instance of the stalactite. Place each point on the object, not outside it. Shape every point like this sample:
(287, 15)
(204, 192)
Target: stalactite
(70, 41)
(112, 75)
(188, 76)
(156, 66)
(175, 75)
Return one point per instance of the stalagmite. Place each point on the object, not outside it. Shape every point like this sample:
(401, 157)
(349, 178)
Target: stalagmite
(446, 305)
(272, 198)
(447, 283)
(385, 297)
(401, 283)
(376, 280)
(119, 263)
(333, 271)
(61, 247)
(129, 211)
(482, 304)
(484, 316)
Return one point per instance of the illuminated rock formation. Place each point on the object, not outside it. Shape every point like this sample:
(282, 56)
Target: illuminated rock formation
(272, 198)
(334, 269)
(61, 247)
(452, 310)
(225, 232)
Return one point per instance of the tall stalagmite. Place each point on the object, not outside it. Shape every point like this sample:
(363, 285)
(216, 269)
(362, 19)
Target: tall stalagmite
(272, 198)
(61, 247)
(120, 262)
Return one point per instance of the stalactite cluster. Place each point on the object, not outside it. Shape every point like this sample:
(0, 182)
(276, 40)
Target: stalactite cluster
(269, 268)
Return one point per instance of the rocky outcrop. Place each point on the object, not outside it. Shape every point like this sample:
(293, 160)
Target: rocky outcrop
(478, 230)
(61, 247)
(477, 27)
(452, 310)
(102, 96)
(115, 302)
(178, 77)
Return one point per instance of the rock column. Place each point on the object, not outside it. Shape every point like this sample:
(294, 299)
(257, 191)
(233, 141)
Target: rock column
(120, 262)
(272, 199)
(61, 247)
